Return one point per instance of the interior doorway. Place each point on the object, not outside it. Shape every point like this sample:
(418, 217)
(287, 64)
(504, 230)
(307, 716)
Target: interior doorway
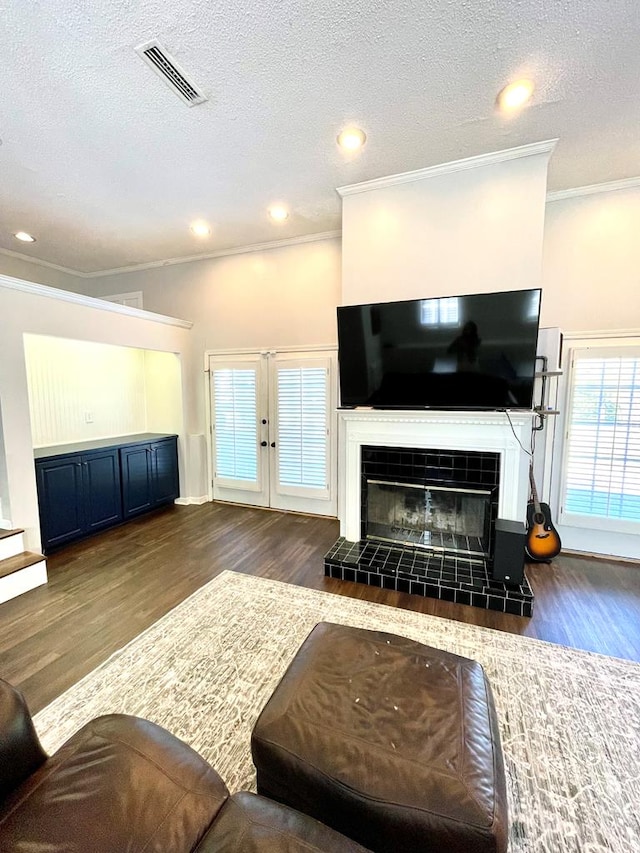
(273, 441)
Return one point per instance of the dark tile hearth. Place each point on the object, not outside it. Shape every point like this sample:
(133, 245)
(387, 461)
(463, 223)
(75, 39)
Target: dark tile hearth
(433, 575)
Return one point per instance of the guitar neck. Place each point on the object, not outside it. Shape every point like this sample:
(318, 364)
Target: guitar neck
(534, 491)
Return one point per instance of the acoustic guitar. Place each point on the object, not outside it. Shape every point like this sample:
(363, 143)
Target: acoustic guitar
(542, 541)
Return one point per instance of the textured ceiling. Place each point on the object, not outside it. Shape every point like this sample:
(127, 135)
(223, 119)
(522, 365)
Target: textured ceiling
(107, 167)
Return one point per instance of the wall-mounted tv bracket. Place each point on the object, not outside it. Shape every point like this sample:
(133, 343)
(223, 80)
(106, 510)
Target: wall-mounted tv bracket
(542, 410)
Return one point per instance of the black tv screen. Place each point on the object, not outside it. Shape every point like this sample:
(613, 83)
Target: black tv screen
(454, 352)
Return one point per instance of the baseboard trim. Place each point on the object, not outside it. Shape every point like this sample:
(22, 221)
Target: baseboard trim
(203, 499)
(591, 555)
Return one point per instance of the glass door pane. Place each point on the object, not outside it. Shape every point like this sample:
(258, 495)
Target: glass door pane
(301, 405)
(240, 458)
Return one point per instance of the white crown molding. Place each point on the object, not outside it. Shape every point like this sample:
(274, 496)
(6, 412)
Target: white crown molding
(593, 189)
(22, 257)
(223, 253)
(545, 147)
(165, 262)
(89, 301)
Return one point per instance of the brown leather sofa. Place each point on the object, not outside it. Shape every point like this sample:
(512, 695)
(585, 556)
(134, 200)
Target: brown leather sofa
(125, 785)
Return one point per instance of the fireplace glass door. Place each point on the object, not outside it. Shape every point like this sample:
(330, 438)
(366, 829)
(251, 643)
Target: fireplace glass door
(436, 518)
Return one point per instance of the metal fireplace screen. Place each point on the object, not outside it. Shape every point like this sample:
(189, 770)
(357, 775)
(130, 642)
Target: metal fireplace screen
(437, 518)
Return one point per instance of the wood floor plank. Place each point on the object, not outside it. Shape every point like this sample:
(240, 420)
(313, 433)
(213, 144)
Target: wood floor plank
(104, 591)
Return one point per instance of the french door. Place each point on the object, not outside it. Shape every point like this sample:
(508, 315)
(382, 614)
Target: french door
(272, 428)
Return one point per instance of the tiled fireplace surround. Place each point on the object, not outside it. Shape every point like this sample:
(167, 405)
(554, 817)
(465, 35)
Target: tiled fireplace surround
(479, 449)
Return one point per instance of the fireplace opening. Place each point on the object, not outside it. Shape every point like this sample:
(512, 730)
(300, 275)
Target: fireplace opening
(436, 518)
(440, 501)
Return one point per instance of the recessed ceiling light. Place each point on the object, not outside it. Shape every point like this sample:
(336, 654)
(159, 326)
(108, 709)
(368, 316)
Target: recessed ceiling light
(515, 95)
(26, 238)
(351, 138)
(200, 229)
(278, 213)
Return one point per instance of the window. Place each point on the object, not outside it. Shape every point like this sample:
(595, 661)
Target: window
(602, 459)
(439, 312)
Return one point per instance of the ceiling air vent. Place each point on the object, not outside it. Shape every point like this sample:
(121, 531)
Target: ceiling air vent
(166, 67)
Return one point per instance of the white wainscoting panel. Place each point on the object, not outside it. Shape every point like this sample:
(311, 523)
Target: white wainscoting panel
(79, 390)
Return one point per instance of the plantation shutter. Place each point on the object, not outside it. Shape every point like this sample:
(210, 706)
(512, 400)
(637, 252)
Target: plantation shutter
(443, 311)
(302, 418)
(602, 461)
(236, 424)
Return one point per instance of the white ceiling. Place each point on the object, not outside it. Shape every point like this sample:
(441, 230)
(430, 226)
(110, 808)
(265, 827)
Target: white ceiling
(107, 167)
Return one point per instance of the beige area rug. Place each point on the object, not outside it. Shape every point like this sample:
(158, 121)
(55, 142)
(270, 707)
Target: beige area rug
(570, 720)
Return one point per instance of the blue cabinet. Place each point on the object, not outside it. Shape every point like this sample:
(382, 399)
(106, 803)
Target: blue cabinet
(78, 494)
(91, 489)
(149, 475)
(137, 476)
(60, 500)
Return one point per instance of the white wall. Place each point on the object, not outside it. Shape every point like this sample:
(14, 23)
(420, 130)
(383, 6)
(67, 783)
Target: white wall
(34, 313)
(30, 271)
(5, 502)
(468, 231)
(591, 266)
(163, 392)
(281, 297)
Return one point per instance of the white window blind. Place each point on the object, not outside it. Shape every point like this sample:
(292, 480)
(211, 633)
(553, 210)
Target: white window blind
(439, 312)
(236, 424)
(302, 426)
(602, 469)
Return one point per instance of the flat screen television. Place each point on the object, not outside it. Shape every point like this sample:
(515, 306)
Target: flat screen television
(454, 352)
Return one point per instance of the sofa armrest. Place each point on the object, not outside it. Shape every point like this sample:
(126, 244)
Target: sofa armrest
(118, 784)
(20, 751)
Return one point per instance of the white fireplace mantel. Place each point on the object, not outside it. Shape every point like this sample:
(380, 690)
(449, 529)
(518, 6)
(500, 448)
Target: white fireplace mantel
(496, 432)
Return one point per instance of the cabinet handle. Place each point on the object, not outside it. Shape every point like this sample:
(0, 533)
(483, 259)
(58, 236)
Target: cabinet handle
(273, 444)
(263, 444)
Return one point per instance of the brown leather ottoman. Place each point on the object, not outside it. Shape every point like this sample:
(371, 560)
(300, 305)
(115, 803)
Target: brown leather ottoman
(388, 741)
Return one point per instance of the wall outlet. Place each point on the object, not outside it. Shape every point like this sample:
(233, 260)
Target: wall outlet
(88, 417)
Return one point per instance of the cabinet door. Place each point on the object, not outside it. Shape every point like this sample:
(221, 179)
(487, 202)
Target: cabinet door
(137, 472)
(60, 499)
(165, 471)
(102, 498)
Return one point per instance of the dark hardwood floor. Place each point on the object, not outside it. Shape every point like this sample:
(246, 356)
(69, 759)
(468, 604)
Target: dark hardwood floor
(104, 591)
